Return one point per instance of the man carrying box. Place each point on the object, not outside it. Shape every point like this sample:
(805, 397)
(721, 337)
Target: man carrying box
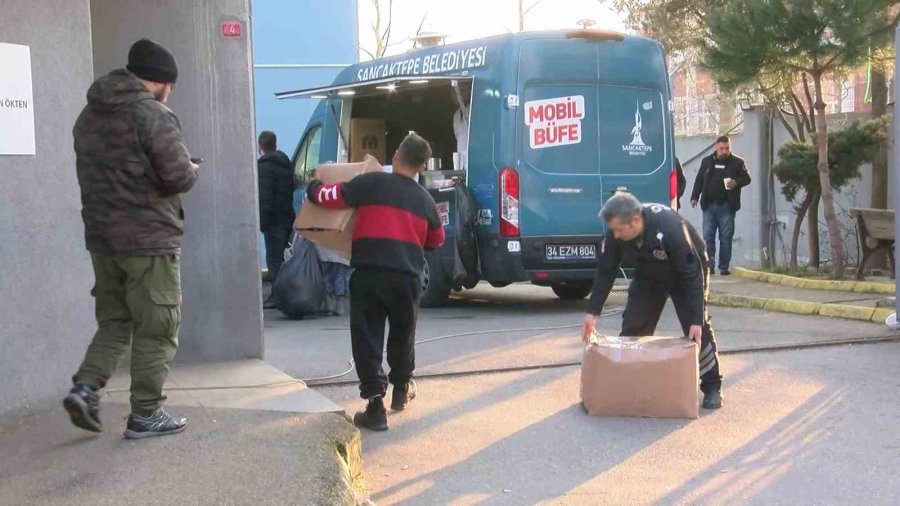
(396, 219)
(670, 259)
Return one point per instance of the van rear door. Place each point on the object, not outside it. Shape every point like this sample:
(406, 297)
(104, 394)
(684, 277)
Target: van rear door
(633, 142)
(556, 137)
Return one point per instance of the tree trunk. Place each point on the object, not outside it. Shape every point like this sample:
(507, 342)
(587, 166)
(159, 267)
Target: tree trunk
(831, 220)
(812, 217)
(795, 235)
(880, 163)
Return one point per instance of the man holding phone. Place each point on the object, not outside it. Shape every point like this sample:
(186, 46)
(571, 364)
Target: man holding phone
(132, 168)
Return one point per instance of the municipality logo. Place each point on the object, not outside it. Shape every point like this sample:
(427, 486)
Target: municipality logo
(637, 147)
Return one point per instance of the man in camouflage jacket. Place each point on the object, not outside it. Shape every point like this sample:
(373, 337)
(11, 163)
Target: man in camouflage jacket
(132, 168)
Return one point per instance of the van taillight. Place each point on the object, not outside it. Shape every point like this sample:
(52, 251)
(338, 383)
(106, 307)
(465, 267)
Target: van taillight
(673, 188)
(509, 203)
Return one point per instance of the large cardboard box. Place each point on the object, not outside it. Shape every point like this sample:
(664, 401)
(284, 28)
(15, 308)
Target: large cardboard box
(640, 376)
(367, 137)
(333, 228)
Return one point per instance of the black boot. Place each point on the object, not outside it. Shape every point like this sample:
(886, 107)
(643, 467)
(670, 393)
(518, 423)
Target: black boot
(374, 417)
(712, 400)
(83, 406)
(159, 423)
(403, 395)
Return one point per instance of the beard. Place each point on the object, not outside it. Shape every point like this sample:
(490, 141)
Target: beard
(160, 95)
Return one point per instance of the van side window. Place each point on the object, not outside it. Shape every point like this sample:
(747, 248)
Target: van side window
(307, 155)
(312, 152)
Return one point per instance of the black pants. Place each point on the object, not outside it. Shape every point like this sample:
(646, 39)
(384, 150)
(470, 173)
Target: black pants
(646, 300)
(377, 296)
(276, 241)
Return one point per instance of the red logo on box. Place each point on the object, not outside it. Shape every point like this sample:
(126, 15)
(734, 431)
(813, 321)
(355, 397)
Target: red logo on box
(231, 28)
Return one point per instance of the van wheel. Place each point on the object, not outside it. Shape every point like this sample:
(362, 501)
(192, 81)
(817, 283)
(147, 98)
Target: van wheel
(436, 292)
(572, 291)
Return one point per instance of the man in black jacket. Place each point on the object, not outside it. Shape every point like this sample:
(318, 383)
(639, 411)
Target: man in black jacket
(276, 201)
(718, 191)
(670, 260)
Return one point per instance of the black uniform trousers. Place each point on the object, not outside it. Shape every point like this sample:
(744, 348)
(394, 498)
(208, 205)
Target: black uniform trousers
(376, 296)
(646, 300)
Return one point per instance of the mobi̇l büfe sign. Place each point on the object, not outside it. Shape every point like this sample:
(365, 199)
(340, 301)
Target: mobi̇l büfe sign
(16, 101)
(554, 121)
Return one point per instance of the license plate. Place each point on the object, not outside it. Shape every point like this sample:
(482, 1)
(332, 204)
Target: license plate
(571, 252)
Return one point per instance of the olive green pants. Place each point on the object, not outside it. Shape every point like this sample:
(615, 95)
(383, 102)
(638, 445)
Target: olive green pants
(138, 303)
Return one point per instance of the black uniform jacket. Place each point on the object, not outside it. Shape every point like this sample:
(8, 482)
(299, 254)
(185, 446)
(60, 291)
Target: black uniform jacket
(670, 253)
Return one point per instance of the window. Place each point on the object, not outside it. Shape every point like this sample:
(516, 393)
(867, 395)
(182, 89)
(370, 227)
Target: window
(307, 156)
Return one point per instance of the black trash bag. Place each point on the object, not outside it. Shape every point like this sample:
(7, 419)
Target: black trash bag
(300, 289)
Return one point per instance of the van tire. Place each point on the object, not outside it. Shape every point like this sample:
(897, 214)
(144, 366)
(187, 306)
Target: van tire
(572, 291)
(437, 292)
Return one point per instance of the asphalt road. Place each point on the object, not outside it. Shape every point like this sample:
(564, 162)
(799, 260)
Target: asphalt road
(800, 427)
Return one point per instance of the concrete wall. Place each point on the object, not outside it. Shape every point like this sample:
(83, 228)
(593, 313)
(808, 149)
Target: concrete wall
(46, 318)
(214, 100)
(750, 144)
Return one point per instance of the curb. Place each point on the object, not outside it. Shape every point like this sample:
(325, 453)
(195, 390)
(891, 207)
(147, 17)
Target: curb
(816, 284)
(857, 313)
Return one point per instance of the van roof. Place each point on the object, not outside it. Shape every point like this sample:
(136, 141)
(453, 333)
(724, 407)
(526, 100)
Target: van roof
(465, 58)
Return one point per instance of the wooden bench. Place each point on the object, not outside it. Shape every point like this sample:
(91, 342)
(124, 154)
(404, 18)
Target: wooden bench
(876, 232)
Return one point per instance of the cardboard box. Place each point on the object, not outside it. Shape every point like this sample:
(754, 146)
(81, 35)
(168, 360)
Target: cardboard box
(641, 376)
(333, 228)
(367, 137)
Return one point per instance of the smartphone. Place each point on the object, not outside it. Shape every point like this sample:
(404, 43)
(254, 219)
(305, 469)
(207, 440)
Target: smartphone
(197, 161)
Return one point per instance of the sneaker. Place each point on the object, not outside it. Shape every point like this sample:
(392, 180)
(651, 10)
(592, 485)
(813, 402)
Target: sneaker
(159, 423)
(83, 406)
(712, 400)
(374, 417)
(725, 272)
(403, 395)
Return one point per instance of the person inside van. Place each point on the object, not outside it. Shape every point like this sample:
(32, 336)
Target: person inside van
(395, 221)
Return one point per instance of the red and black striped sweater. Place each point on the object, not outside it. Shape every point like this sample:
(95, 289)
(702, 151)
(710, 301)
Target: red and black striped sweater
(396, 218)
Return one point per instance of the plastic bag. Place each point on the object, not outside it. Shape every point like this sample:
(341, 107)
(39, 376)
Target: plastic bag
(300, 289)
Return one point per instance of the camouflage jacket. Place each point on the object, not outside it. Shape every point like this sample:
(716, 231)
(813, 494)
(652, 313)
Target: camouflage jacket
(132, 168)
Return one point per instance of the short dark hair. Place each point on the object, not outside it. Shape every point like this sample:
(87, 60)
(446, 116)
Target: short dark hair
(623, 206)
(723, 139)
(267, 141)
(414, 151)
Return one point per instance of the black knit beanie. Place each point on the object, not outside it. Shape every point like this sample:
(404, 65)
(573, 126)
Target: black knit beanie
(152, 62)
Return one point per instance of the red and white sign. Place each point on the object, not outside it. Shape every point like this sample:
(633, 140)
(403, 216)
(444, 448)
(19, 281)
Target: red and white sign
(554, 121)
(231, 28)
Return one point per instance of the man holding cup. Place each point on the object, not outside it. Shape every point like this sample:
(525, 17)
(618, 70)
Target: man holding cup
(717, 189)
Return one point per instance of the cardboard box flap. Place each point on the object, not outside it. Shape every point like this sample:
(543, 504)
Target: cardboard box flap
(340, 172)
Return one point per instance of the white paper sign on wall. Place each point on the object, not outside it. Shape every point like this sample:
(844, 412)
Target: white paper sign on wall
(16, 101)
